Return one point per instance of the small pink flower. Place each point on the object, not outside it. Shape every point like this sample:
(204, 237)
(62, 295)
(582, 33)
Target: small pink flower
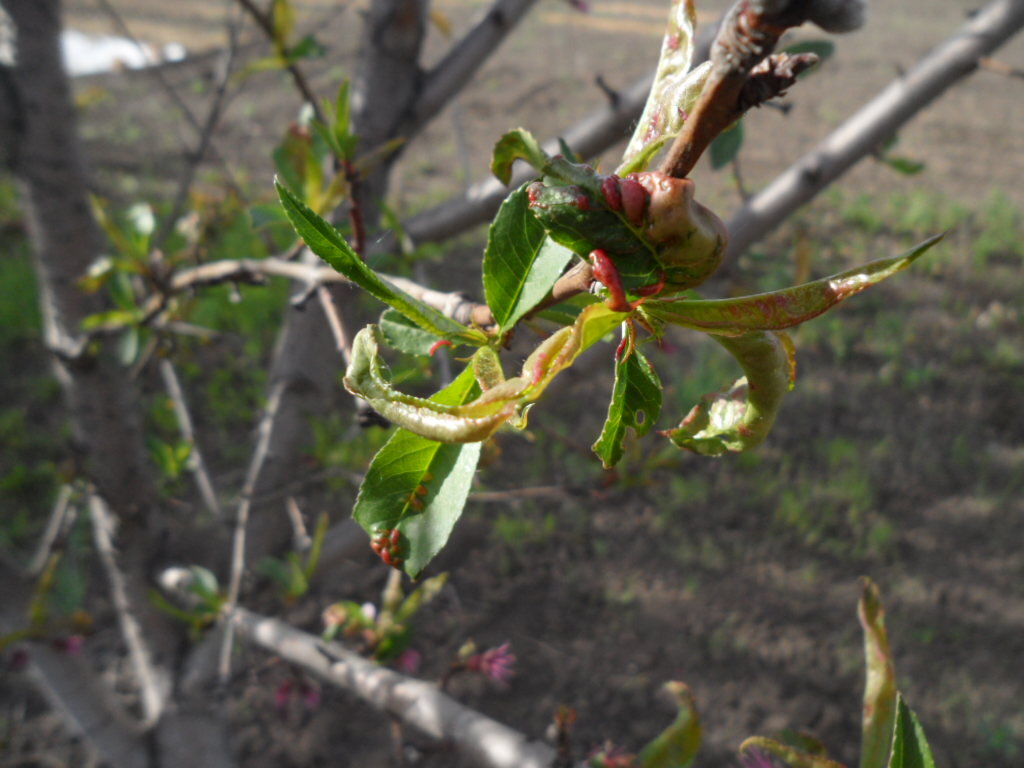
(495, 663)
(408, 661)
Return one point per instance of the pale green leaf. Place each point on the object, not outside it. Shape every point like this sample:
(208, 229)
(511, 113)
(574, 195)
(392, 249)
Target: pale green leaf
(909, 746)
(880, 693)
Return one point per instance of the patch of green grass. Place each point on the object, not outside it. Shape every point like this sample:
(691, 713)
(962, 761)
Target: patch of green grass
(1001, 232)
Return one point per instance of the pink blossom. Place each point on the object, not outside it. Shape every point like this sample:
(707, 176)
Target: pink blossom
(495, 663)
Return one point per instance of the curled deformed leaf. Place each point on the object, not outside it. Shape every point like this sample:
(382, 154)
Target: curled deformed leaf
(677, 745)
(791, 756)
(516, 145)
(780, 309)
(501, 399)
(673, 93)
(741, 417)
(880, 685)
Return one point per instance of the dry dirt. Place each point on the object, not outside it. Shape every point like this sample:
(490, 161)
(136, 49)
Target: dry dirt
(679, 567)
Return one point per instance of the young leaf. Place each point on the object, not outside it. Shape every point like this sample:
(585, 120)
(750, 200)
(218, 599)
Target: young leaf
(909, 746)
(791, 756)
(327, 243)
(677, 745)
(880, 686)
(403, 334)
(419, 486)
(741, 417)
(636, 403)
(780, 309)
(501, 401)
(674, 92)
(726, 145)
(516, 145)
(520, 263)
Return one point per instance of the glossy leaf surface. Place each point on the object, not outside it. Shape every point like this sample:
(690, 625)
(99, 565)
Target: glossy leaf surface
(909, 746)
(636, 403)
(741, 417)
(521, 263)
(419, 486)
(880, 686)
(780, 309)
(327, 243)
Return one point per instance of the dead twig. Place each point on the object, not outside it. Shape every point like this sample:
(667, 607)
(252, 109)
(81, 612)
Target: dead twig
(153, 684)
(195, 460)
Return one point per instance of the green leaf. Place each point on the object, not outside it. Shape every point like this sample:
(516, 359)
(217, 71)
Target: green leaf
(780, 309)
(521, 263)
(726, 145)
(502, 400)
(880, 693)
(403, 334)
(903, 165)
(419, 486)
(741, 417)
(327, 243)
(516, 145)
(677, 745)
(791, 756)
(636, 403)
(675, 90)
(909, 746)
(307, 48)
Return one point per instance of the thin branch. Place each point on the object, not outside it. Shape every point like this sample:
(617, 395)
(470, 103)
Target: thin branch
(466, 56)
(195, 459)
(158, 74)
(153, 685)
(416, 703)
(736, 81)
(242, 521)
(876, 121)
(213, 116)
(54, 526)
(265, 23)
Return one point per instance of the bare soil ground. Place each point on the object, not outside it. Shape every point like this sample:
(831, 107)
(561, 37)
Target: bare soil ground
(899, 456)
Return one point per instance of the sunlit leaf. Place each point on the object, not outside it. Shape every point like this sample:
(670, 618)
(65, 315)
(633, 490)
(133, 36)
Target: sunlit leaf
(675, 89)
(327, 243)
(636, 403)
(880, 685)
(403, 334)
(476, 420)
(791, 756)
(677, 745)
(780, 309)
(521, 263)
(741, 417)
(516, 145)
(419, 486)
(909, 746)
